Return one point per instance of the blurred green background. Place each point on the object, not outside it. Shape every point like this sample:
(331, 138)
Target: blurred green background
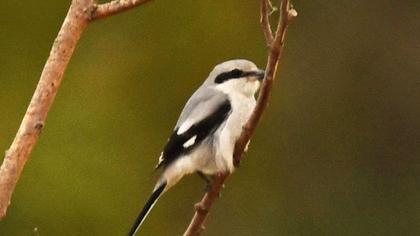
(337, 152)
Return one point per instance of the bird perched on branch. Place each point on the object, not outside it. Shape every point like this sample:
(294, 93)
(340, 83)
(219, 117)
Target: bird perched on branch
(204, 137)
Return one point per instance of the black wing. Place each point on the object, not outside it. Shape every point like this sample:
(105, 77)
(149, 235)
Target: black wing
(176, 144)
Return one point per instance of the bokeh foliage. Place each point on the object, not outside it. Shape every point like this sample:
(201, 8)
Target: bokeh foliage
(337, 152)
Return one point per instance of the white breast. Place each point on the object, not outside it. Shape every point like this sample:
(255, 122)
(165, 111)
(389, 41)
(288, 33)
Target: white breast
(242, 107)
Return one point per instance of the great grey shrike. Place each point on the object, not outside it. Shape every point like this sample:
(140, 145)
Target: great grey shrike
(204, 137)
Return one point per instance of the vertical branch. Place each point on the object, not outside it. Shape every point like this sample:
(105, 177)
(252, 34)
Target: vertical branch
(276, 47)
(81, 12)
(276, 44)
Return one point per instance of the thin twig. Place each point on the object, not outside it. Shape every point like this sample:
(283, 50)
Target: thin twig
(265, 23)
(275, 51)
(114, 7)
(78, 17)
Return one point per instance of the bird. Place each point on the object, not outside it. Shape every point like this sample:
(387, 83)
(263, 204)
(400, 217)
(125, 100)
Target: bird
(210, 123)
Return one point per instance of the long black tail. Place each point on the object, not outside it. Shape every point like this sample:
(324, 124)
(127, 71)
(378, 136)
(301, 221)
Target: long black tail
(146, 209)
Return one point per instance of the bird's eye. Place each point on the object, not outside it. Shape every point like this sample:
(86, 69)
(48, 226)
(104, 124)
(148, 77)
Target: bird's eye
(236, 73)
(233, 74)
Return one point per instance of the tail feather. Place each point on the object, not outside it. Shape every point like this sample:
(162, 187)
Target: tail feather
(146, 209)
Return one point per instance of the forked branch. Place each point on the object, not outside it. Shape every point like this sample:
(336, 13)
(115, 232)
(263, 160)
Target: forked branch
(275, 44)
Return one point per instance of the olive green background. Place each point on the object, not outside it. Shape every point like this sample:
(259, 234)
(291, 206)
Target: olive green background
(337, 152)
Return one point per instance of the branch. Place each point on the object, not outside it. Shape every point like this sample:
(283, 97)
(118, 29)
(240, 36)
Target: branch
(114, 7)
(33, 121)
(265, 23)
(202, 208)
(81, 12)
(276, 44)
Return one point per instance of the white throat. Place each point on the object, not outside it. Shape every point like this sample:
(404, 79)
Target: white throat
(238, 87)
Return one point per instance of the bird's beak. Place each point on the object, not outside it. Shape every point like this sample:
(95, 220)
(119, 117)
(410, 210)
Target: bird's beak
(260, 74)
(256, 74)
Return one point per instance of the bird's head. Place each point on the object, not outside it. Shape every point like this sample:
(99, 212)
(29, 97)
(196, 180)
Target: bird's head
(236, 76)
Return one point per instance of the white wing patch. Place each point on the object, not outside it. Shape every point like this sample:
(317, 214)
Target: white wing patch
(160, 159)
(184, 127)
(190, 142)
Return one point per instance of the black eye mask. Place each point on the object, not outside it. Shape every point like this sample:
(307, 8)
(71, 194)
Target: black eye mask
(236, 74)
(225, 76)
